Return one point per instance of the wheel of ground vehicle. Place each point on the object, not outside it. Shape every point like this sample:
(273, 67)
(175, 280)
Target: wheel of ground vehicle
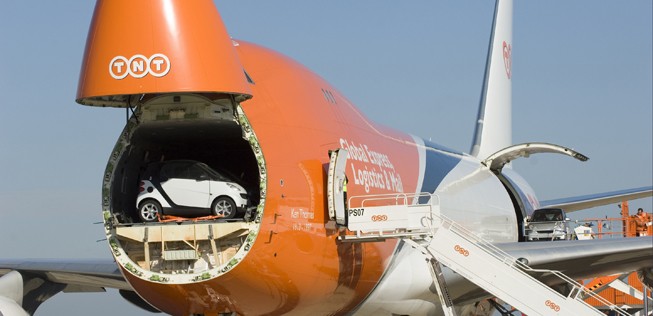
(224, 206)
(148, 210)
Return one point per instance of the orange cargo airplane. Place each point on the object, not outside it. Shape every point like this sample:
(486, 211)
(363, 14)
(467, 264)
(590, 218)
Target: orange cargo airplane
(290, 139)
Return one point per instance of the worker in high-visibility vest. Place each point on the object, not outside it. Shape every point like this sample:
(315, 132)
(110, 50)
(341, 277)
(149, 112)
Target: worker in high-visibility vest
(643, 221)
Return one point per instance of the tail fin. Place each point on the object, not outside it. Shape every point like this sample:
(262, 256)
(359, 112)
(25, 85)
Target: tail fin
(494, 123)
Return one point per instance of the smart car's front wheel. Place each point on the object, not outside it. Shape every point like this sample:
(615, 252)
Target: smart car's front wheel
(148, 210)
(225, 207)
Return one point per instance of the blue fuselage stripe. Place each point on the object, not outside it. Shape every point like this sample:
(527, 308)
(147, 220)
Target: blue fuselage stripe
(439, 162)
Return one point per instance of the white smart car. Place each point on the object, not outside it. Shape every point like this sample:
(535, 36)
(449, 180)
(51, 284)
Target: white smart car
(187, 188)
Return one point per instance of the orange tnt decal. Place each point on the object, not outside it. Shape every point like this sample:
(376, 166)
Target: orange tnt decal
(139, 66)
(461, 250)
(552, 305)
(379, 218)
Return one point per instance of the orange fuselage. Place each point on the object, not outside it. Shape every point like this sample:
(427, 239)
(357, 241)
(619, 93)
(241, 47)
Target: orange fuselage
(295, 265)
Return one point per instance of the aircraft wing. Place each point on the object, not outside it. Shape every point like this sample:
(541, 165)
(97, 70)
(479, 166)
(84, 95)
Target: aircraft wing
(578, 259)
(577, 203)
(43, 278)
(78, 276)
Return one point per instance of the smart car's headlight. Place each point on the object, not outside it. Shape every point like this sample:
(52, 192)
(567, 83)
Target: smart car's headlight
(234, 187)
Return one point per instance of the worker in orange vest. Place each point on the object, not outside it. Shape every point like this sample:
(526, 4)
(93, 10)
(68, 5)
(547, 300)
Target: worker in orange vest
(642, 220)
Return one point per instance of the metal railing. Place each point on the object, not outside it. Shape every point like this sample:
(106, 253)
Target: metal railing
(398, 198)
(438, 221)
(578, 292)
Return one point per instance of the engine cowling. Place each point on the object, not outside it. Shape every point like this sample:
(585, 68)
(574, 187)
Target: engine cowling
(11, 295)
(9, 307)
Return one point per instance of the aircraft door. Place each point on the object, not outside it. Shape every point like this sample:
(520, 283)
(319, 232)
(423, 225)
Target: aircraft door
(336, 186)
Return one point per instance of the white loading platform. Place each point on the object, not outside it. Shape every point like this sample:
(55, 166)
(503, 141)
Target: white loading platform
(421, 225)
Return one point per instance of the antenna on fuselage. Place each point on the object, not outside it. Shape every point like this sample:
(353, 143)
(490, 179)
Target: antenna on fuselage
(493, 130)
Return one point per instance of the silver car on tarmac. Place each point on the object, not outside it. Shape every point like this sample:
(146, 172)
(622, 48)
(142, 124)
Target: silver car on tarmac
(548, 224)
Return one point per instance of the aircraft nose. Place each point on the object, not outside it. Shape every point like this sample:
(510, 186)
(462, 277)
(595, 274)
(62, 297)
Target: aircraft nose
(155, 47)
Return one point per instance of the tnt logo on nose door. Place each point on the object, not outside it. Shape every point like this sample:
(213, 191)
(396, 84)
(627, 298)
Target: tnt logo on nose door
(139, 66)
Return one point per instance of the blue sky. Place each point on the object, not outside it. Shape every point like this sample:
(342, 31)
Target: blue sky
(582, 78)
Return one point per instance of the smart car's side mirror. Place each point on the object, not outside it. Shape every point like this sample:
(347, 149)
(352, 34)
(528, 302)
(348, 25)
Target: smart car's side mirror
(203, 177)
